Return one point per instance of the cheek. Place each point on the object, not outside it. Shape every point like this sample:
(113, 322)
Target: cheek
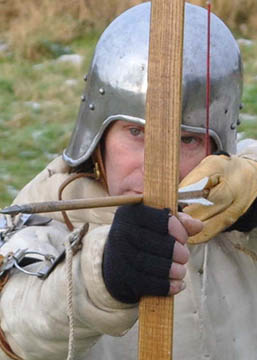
(189, 160)
(113, 168)
(124, 172)
(118, 165)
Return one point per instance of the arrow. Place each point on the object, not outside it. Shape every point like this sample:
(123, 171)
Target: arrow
(195, 193)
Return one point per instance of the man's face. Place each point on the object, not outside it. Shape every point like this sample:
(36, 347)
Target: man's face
(124, 156)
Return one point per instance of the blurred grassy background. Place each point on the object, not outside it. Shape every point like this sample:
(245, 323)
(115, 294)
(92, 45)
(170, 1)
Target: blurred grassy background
(40, 94)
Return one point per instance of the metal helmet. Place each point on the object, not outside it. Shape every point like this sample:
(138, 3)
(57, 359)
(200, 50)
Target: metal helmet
(117, 80)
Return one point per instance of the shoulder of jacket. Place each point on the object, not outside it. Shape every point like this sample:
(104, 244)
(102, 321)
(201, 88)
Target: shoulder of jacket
(247, 148)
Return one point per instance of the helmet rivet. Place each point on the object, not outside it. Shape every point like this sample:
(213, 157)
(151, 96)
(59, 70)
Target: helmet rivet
(101, 91)
(91, 106)
(83, 98)
(85, 77)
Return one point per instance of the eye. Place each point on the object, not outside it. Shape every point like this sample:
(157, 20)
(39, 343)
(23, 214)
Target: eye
(136, 131)
(189, 139)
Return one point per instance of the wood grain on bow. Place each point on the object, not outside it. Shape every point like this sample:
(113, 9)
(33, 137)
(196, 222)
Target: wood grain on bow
(162, 142)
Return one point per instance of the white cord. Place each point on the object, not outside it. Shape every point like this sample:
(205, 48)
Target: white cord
(74, 238)
(68, 264)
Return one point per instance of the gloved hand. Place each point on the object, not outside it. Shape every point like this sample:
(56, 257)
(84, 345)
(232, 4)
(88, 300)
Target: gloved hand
(233, 189)
(139, 251)
(246, 222)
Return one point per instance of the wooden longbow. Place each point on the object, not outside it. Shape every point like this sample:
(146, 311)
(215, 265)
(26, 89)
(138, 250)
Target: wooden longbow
(161, 171)
(162, 142)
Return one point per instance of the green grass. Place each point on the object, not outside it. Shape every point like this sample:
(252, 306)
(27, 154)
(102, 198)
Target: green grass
(248, 126)
(38, 111)
(39, 108)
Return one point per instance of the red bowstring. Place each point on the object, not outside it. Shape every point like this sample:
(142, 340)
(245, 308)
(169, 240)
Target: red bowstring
(208, 87)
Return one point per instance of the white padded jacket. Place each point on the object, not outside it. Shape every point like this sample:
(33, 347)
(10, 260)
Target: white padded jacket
(215, 316)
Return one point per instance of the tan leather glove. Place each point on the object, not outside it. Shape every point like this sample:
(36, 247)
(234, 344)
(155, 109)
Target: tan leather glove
(233, 188)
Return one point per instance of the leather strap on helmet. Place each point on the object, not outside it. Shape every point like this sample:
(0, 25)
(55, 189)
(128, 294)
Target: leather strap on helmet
(98, 174)
(99, 165)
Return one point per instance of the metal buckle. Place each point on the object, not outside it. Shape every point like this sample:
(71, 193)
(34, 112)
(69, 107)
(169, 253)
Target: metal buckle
(18, 258)
(14, 260)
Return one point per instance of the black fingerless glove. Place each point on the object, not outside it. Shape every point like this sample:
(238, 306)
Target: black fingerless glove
(138, 253)
(247, 221)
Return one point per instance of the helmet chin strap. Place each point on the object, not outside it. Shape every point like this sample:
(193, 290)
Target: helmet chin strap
(99, 174)
(99, 168)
